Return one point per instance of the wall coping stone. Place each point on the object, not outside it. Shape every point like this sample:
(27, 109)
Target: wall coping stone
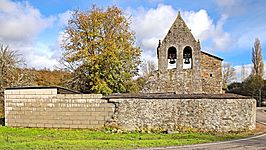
(60, 90)
(176, 96)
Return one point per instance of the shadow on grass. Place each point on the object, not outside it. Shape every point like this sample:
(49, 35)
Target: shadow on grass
(2, 121)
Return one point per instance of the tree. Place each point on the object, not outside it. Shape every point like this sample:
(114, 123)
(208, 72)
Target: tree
(258, 69)
(243, 73)
(228, 74)
(257, 60)
(10, 74)
(147, 67)
(100, 51)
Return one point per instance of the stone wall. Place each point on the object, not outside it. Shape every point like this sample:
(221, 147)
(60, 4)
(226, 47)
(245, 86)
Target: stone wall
(46, 108)
(49, 109)
(204, 76)
(1, 108)
(213, 114)
(179, 36)
(211, 73)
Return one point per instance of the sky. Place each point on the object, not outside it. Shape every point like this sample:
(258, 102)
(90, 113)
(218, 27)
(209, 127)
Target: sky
(225, 28)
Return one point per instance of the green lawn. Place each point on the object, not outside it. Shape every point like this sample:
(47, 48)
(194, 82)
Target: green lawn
(33, 138)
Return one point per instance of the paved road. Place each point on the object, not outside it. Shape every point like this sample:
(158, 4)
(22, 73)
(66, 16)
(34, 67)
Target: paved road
(261, 114)
(252, 143)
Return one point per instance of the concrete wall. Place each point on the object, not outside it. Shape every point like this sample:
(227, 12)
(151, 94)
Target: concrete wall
(46, 108)
(205, 114)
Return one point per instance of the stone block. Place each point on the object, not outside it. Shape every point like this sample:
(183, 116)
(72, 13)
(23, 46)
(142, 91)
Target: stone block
(8, 92)
(64, 126)
(109, 109)
(94, 122)
(83, 126)
(48, 125)
(67, 122)
(40, 125)
(15, 96)
(99, 118)
(101, 109)
(76, 122)
(92, 96)
(74, 126)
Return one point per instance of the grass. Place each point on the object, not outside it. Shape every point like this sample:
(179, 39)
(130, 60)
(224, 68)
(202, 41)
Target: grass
(36, 138)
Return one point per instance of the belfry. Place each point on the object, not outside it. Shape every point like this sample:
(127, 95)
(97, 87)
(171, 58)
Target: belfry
(182, 67)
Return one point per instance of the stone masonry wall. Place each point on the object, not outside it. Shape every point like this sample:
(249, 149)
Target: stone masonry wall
(1, 108)
(211, 74)
(204, 114)
(46, 108)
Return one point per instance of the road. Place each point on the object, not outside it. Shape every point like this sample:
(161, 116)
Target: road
(252, 143)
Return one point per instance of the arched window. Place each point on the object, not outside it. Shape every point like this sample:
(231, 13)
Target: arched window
(171, 57)
(187, 58)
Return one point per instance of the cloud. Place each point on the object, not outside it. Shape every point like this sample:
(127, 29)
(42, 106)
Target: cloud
(41, 56)
(203, 28)
(19, 21)
(152, 25)
(21, 25)
(63, 18)
(242, 72)
(231, 7)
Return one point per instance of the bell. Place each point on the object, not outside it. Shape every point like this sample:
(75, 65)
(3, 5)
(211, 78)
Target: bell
(187, 60)
(172, 61)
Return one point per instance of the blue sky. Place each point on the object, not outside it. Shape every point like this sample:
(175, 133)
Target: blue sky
(226, 28)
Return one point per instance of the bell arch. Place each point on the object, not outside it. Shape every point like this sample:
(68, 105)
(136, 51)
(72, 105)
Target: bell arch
(171, 56)
(187, 58)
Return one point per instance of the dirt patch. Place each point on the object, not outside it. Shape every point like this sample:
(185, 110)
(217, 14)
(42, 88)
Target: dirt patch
(260, 129)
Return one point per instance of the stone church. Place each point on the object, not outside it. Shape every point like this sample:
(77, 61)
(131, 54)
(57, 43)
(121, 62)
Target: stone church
(182, 67)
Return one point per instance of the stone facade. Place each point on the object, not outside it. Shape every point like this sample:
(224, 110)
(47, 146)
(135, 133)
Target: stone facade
(220, 115)
(211, 73)
(47, 108)
(180, 49)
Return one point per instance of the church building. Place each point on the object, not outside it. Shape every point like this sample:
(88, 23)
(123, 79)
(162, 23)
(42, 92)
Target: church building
(182, 67)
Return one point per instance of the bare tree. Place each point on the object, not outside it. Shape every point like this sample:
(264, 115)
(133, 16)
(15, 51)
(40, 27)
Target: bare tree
(243, 73)
(10, 73)
(257, 60)
(147, 67)
(228, 74)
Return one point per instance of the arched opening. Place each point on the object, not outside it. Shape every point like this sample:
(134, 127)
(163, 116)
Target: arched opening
(187, 58)
(171, 57)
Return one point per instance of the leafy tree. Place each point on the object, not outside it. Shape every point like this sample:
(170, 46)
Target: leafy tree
(100, 51)
(46, 77)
